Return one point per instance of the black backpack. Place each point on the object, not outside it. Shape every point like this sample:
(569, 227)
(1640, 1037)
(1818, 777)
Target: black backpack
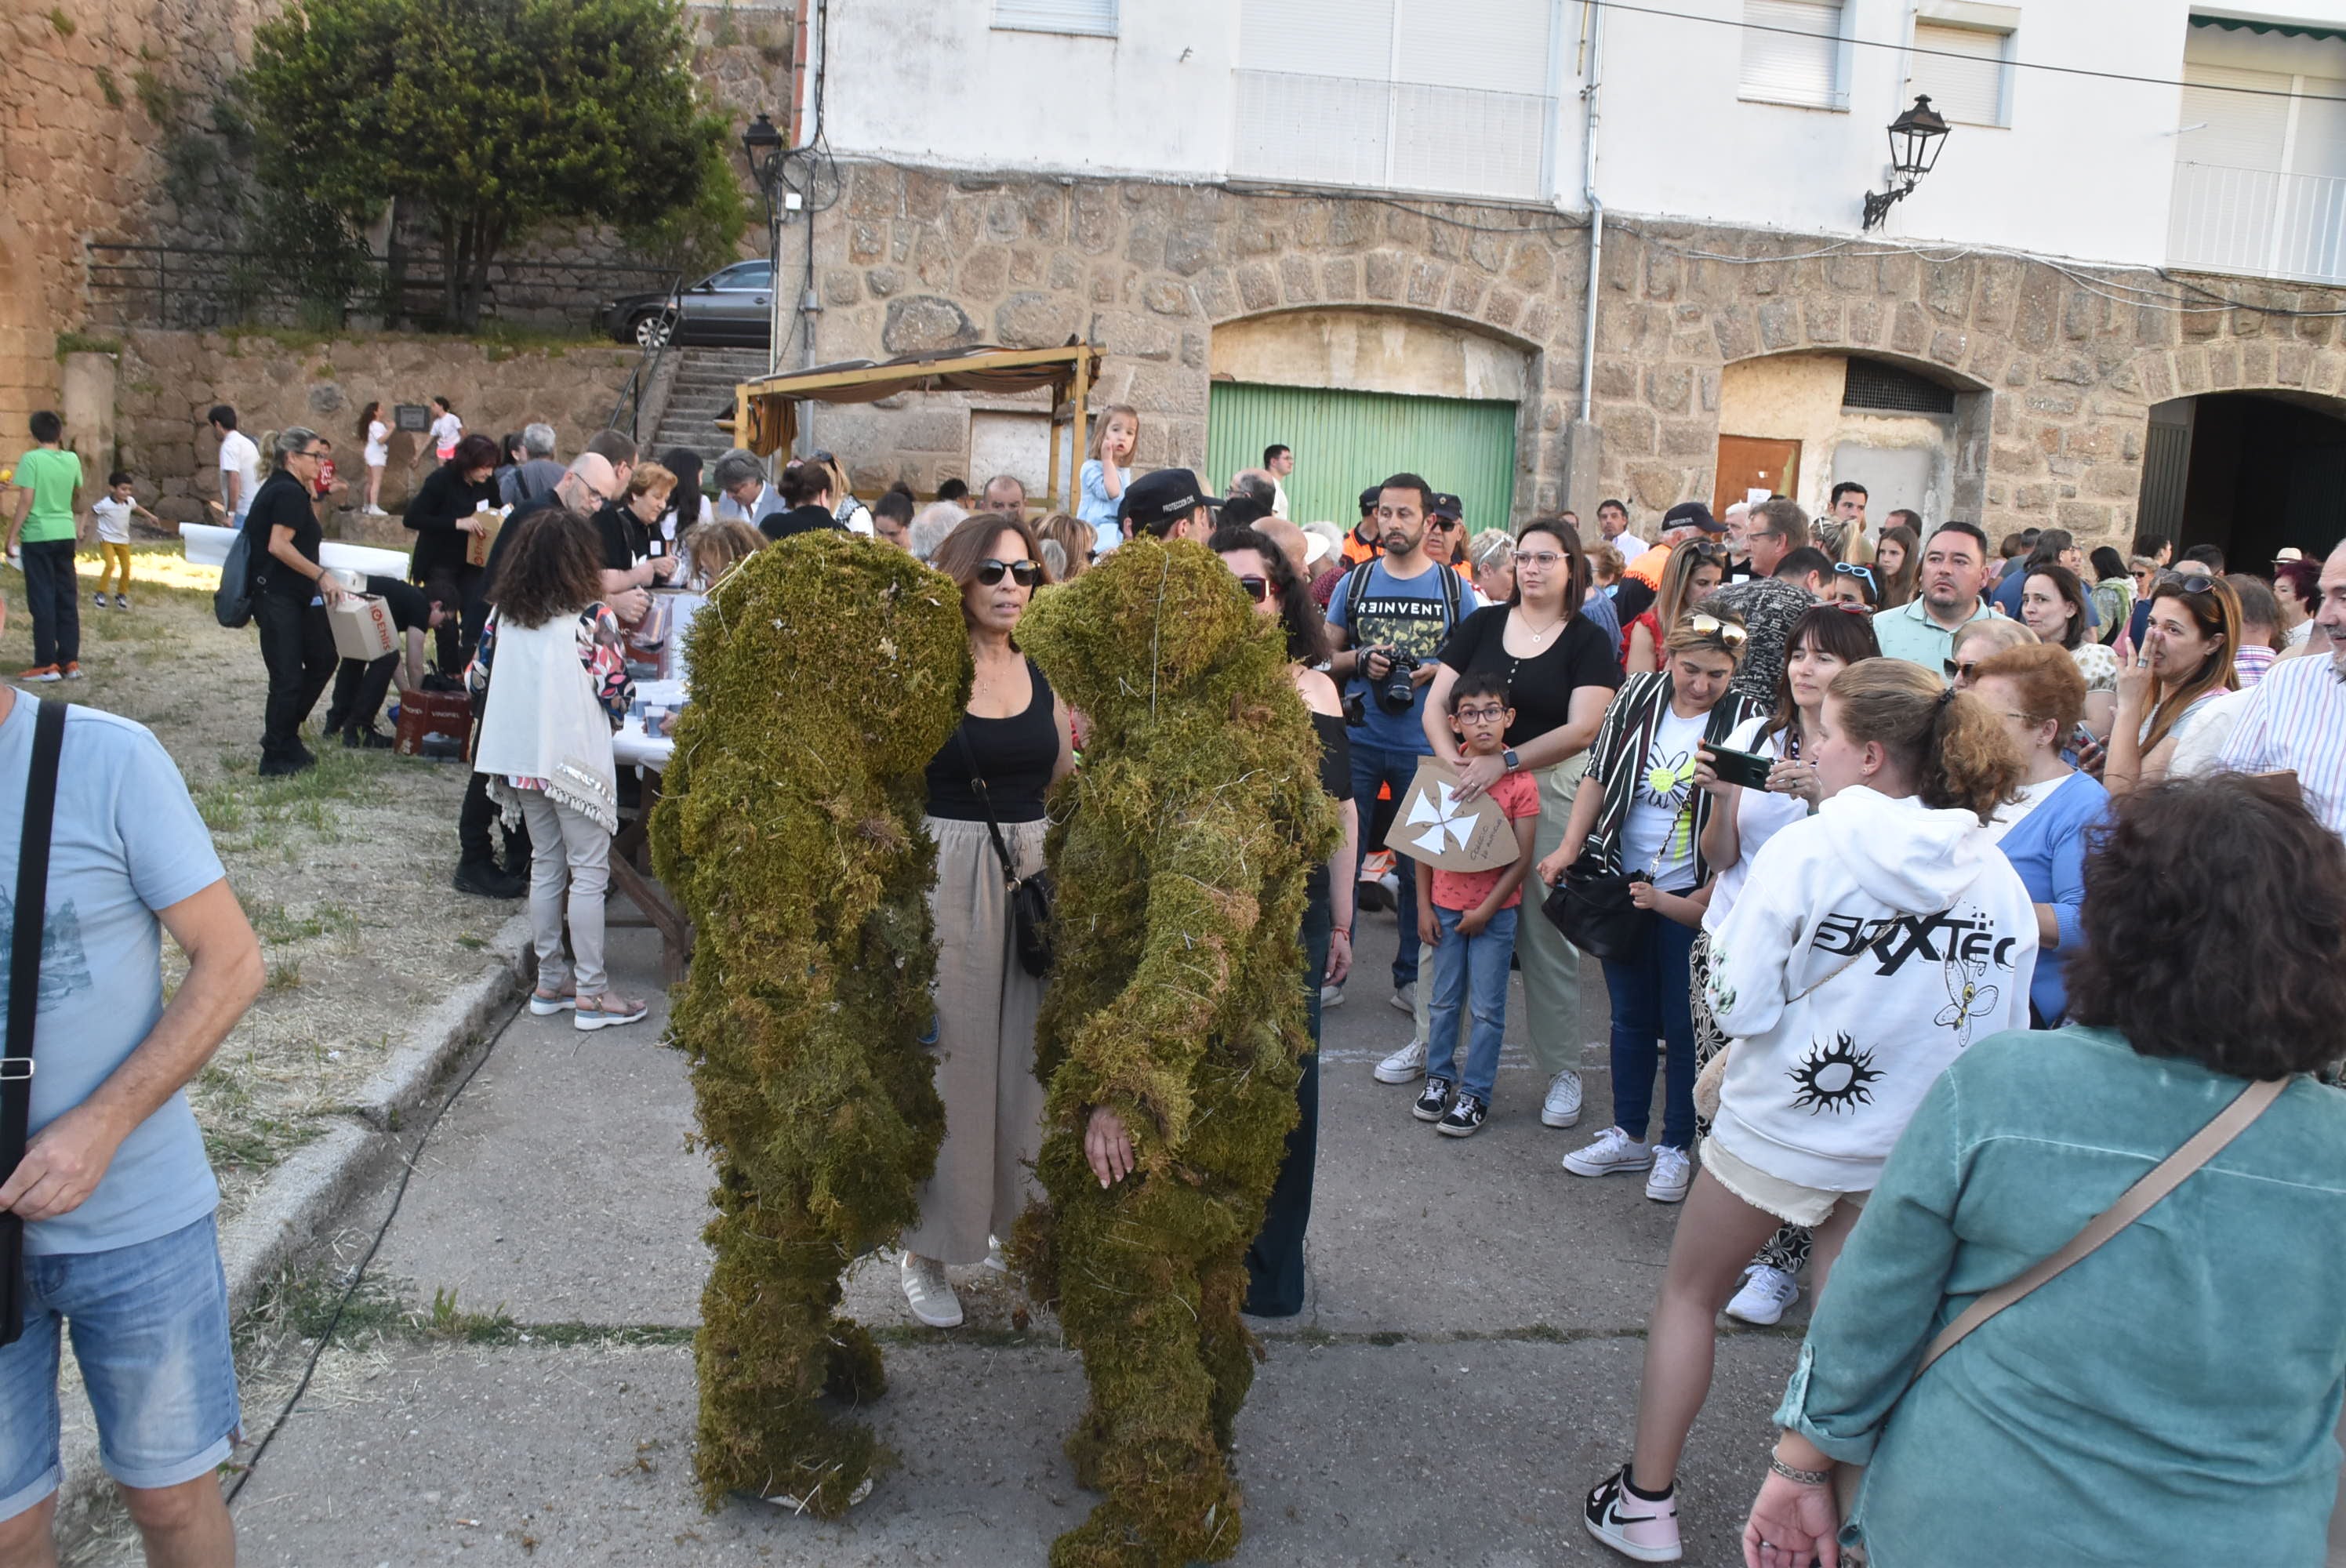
(232, 600)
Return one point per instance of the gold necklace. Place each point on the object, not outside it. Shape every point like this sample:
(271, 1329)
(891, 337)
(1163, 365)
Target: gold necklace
(1541, 637)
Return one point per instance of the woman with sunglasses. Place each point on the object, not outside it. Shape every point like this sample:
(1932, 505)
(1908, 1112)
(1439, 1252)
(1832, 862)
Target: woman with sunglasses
(1693, 570)
(1855, 587)
(1639, 811)
(2181, 672)
(1561, 673)
(1823, 642)
(1012, 744)
(1275, 1262)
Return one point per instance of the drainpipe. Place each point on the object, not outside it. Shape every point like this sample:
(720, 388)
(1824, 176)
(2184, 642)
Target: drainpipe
(1588, 96)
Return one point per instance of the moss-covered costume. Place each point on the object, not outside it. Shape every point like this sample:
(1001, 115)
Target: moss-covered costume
(1181, 859)
(825, 675)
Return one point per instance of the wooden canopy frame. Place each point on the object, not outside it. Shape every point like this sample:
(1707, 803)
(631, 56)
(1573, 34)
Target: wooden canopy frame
(766, 412)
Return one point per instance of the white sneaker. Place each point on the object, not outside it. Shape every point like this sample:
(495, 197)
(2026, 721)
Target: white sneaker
(1391, 882)
(1766, 1293)
(1404, 998)
(931, 1295)
(1635, 1528)
(1330, 996)
(1614, 1151)
(1673, 1173)
(1562, 1106)
(1406, 1065)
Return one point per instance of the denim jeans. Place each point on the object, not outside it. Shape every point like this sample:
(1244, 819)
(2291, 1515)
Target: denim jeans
(1274, 1262)
(53, 598)
(1469, 972)
(150, 1332)
(1653, 999)
(570, 871)
(1373, 766)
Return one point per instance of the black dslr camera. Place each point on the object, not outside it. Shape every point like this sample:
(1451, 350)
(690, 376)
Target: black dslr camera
(1397, 693)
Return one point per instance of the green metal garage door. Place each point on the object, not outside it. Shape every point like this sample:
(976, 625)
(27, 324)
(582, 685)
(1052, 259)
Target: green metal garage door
(1347, 441)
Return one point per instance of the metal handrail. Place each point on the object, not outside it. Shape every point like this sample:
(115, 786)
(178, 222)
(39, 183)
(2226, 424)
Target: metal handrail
(639, 379)
(2264, 222)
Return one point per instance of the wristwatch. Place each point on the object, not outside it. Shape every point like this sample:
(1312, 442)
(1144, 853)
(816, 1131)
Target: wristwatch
(1508, 756)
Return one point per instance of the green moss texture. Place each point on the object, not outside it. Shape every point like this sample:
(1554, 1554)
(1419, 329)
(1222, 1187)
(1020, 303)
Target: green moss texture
(1181, 848)
(825, 674)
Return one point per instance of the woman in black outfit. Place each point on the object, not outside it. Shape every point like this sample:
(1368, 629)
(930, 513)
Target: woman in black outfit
(1012, 744)
(441, 517)
(291, 593)
(1275, 1262)
(806, 490)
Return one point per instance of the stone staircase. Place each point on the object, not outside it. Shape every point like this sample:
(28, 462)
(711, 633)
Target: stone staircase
(700, 390)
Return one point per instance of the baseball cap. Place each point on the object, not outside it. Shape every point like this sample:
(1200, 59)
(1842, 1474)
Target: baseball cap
(1691, 514)
(1369, 498)
(1446, 505)
(1163, 496)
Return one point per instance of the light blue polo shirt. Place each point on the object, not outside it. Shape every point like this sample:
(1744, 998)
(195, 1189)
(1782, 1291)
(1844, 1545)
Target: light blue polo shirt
(1909, 633)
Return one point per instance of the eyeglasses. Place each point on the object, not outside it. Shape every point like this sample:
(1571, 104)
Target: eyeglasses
(1850, 569)
(824, 458)
(1961, 671)
(1727, 632)
(1026, 574)
(2028, 718)
(1543, 559)
(1478, 715)
(1256, 589)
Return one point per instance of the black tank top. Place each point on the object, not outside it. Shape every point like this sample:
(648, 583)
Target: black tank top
(1335, 754)
(1014, 756)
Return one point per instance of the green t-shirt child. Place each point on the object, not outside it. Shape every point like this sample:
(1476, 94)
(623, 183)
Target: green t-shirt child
(52, 475)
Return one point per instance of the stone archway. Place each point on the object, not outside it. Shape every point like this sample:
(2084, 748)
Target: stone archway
(2249, 470)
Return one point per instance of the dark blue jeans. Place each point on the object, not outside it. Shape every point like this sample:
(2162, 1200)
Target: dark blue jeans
(1372, 766)
(53, 598)
(1653, 999)
(1470, 975)
(1274, 1263)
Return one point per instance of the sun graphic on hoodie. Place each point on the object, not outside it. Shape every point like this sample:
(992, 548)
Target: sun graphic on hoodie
(1833, 1077)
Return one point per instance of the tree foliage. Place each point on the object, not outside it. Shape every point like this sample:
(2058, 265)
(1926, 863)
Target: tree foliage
(492, 118)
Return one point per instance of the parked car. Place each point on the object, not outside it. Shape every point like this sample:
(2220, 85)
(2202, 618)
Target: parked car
(732, 305)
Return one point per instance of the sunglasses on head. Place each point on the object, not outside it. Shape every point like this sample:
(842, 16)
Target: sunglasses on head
(1850, 569)
(1726, 632)
(1256, 589)
(1026, 574)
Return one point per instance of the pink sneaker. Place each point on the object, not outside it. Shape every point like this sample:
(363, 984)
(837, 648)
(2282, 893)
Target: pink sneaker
(1632, 1525)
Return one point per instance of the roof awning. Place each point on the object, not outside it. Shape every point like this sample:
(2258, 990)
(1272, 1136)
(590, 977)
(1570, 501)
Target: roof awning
(766, 409)
(2252, 24)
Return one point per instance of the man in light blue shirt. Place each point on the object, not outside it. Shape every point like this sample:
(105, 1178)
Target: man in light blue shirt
(1954, 569)
(1402, 601)
(113, 1191)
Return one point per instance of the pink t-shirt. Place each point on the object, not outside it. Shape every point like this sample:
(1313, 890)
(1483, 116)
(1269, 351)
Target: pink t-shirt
(1517, 794)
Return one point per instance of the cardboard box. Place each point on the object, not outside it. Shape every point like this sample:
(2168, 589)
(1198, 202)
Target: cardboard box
(1430, 824)
(477, 545)
(447, 714)
(362, 626)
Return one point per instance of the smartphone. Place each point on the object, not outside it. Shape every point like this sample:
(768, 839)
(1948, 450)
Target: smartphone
(1748, 769)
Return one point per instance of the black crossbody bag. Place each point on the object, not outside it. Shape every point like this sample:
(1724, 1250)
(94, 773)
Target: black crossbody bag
(25, 997)
(1030, 897)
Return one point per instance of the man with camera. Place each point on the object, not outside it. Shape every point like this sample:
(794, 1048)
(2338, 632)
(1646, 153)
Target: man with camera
(1387, 620)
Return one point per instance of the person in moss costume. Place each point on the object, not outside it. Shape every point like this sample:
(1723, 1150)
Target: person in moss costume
(826, 672)
(1170, 1036)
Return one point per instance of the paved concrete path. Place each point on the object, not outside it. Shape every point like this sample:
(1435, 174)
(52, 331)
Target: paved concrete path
(1467, 1368)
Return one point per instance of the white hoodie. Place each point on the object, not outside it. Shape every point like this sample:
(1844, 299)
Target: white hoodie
(1872, 942)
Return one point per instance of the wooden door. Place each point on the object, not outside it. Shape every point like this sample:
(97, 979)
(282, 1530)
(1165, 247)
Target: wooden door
(1749, 462)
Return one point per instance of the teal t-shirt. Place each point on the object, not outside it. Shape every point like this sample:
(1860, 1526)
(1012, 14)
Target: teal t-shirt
(51, 475)
(127, 841)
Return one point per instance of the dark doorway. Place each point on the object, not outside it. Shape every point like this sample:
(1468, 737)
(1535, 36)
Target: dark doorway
(2247, 472)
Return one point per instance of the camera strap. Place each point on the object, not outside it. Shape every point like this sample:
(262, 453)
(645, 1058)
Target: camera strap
(30, 917)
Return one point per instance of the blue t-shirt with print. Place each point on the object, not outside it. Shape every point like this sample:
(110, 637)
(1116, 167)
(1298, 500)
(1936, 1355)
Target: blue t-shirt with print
(1404, 612)
(127, 841)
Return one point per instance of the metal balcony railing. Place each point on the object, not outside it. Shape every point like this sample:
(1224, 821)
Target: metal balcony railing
(2258, 221)
(1391, 135)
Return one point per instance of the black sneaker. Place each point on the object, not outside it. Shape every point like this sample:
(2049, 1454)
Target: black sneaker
(482, 878)
(1431, 1100)
(1465, 1118)
(285, 766)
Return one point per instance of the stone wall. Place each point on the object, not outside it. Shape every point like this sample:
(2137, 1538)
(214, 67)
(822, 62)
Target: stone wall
(165, 382)
(916, 259)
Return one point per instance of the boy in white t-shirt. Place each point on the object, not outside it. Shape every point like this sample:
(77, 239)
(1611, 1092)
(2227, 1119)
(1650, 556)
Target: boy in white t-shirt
(112, 513)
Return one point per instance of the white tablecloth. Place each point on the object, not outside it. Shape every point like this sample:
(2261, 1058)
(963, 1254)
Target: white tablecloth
(207, 545)
(631, 748)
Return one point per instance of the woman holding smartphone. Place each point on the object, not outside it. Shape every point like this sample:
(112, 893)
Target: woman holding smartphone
(1823, 642)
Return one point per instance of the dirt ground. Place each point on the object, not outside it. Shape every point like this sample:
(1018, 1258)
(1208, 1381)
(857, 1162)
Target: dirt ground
(344, 871)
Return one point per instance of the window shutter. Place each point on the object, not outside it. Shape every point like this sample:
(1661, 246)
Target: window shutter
(1970, 89)
(2236, 129)
(1791, 50)
(1317, 38)
(1093, 16)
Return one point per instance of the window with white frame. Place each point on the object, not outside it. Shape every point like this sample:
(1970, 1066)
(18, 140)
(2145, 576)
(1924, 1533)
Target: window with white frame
(1093, 17)
(2260, 151)
(1792, 52)
(1448, 96)
(1965, 71)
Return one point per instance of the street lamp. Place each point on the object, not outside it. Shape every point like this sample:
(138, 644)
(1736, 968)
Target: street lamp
(761, 148)
(1915, 138)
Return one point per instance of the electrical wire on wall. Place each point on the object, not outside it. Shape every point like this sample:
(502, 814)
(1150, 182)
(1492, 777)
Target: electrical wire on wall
(811, 172)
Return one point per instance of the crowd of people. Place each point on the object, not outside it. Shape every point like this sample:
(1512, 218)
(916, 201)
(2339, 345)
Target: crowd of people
(1892, 847)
